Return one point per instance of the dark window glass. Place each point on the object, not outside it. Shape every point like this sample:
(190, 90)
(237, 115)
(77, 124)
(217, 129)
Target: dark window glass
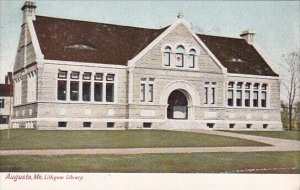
(147, 125)
(265, 126)
(247, 86)
(231, 125)
(143, 92)
(255, 86)
(87, 76)
(87, 124)
(74, 90)
(239, 98)
(110, 77)
(210, 125)
(110, 124)
(109, 92)
(62, 74)
(98, 90)
(206, 95)
(2, 103)
(230, 85)
(230, 98)
(247, 98)
(61, 90)
(75, 75)
(150, 92)
(263, 99)
(99, 76)
(264, 86)
(62, 124)
(86, 91)
(249, 126)
(3, 119)
(213, 95)
(255, 99)
(167, 58)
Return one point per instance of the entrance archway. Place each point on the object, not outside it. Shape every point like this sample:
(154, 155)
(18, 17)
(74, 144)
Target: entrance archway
(177, 105)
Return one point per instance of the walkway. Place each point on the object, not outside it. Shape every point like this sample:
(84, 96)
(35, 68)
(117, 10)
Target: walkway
(277, 145)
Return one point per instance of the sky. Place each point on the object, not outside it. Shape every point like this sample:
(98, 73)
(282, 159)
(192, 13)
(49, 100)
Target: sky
(277, 24)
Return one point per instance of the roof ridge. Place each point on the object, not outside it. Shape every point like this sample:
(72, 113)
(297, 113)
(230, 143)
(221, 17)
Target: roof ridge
(86, 21)
(237, 38)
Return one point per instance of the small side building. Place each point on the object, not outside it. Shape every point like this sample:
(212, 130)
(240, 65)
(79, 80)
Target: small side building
(6, 97)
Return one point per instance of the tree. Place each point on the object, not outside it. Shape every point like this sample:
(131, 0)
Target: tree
(291, 82)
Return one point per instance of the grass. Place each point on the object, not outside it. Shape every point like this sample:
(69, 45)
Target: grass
(262, 162)
(291, 135)
(35, 139)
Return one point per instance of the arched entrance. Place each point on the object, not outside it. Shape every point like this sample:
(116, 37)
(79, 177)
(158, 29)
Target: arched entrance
(177, 105)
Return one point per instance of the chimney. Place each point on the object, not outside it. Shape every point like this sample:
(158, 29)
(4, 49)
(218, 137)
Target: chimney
(248, 35)
(8, 78)
(28, 10)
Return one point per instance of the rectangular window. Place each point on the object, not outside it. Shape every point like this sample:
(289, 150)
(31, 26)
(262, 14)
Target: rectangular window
(110, 77)
(150, 92)
(74, 90)
(167, 58)
(231, 125)
(142, 98)
(147, 125)
(255, 86)
(255, 99)
(98, 76)
(265, 126)
(212, 95)
(3, 119)
(239, 85)
(87, 76)
(247, 98)
(86, 91)
(210, 125)
(191, 61)
(248, 126)
(62, 74)
(74, 75)
(230, 98)
(179, 60)
(87, 124)
(62, 124)
(110, 124)
(98, 90)
(206, 95)
(61, 90)
(247, 85)
(238, 98)
(264, 99)
(2, 103)
(264, 86)
(109, 92)
(230, 84)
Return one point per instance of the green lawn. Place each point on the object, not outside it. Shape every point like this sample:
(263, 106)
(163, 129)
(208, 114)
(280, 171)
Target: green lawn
(292, 135)
(262, 162)
(35, 139)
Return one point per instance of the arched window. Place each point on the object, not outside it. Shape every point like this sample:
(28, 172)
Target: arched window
(192, 58)
(179, 56)
(167, 56)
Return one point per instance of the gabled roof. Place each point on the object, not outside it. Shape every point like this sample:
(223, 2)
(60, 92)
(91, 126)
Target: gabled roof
(237, 55)
(5, 90)
(82, 41)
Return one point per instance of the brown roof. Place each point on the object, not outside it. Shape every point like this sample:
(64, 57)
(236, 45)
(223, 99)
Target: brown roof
(237, 55)
(104, 43)
(82, 41)
(5, 90)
